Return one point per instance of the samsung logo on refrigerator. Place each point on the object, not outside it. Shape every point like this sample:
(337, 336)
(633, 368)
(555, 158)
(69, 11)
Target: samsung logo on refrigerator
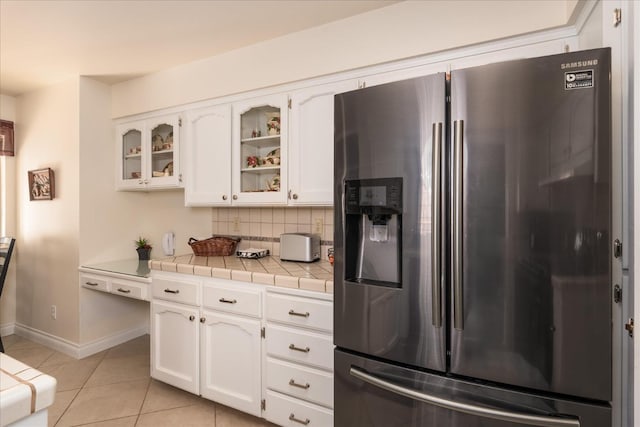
(587, 63)
(582, 79)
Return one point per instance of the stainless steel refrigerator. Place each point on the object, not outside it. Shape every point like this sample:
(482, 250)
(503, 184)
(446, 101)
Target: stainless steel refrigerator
(472, 247)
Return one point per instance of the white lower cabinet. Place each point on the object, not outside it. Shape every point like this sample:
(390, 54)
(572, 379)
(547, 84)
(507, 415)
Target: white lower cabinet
(175, 344)
(209, 337)
(299, 358)
(230, 361)
(286, 411)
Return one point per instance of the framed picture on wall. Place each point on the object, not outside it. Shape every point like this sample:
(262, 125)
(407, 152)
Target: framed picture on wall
(41, 184)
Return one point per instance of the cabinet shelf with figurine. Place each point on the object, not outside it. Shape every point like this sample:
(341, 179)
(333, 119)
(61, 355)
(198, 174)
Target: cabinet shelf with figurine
(259, 147)
(148, 152)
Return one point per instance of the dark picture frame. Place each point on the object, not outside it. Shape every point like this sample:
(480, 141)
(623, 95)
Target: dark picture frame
(6, 138)
(41, 184)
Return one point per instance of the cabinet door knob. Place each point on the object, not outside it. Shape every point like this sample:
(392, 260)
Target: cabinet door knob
(235, 197)
(224, 197)
(295, 196)
(203, 319)
(192, 317)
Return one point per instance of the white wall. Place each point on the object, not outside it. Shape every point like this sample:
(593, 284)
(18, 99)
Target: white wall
(402, 30)
(109, 220)
(8, 221)
(48, 230)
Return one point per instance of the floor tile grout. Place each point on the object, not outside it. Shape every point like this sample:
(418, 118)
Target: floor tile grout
(173, 403)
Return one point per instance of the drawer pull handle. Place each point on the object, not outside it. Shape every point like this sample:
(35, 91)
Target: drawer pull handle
(293, 383)
(292, 417)
(228, 301)
(295, 313)
(124, 291)
(304, 350)
(171, 291)
(91, 283)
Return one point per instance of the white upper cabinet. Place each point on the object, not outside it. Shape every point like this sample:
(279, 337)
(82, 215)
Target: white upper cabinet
(259, 151)
(207, 152)
(148, 155)
(311, 143)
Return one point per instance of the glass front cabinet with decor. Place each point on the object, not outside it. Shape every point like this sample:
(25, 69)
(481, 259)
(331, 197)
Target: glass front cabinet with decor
(148, 154)
(259, 151)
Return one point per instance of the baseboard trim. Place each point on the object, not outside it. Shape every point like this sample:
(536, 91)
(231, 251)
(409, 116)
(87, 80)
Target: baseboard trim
(76, 350)
(7, 329)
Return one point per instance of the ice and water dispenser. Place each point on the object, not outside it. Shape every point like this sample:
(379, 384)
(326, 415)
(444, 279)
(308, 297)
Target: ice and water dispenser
(373, 231)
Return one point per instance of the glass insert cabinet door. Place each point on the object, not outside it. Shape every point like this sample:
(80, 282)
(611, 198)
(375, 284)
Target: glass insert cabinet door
(149, 154)
(259, 151)
(130, 141)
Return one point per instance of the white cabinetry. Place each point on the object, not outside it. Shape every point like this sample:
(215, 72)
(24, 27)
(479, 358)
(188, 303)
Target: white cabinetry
(311, 143)
(206, 338)
(174, 345)
(175, 333)
(299, 358)
(207, 151)
(148, 154)
(137, 288)
(231, 346)
(259, 151)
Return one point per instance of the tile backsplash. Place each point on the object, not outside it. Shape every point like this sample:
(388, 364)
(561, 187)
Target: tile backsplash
(261, 227)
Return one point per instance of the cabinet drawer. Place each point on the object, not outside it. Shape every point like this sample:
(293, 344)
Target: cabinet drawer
(300, 311)
(129, 289)
(93, 282)
(176, 290)
(287, 411)
(300, 381)
(232, 300)
(300, 346)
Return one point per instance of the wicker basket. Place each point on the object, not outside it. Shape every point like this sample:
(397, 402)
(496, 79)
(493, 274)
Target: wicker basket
(214, 246)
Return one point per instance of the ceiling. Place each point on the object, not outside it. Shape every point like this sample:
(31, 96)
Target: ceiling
(46, 42)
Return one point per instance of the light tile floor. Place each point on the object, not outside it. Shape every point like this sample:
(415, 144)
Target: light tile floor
(113, 389)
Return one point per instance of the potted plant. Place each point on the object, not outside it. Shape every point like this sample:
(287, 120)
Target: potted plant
(144, 249)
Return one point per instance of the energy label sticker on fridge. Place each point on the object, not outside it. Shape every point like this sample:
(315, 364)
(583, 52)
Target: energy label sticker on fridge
(578, 79)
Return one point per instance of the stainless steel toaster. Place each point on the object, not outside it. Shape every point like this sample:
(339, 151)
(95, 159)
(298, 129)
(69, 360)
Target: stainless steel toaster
(299, 247)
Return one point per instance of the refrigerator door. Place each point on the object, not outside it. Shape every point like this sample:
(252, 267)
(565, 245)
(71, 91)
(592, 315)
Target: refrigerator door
(531, 204)
(388, 298)
(376, 394)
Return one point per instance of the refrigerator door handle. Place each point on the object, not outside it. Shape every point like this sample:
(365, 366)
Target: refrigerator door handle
(480, 411)
(436, 299)
(458, 129)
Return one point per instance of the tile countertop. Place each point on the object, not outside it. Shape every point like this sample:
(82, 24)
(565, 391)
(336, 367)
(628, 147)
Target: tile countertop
(270, 270)
(23, 392)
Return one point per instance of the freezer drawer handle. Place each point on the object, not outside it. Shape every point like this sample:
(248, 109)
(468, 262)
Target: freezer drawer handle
(480, 411)
(295, 313)
(292, 417)
(293, 383)
(304, 350)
